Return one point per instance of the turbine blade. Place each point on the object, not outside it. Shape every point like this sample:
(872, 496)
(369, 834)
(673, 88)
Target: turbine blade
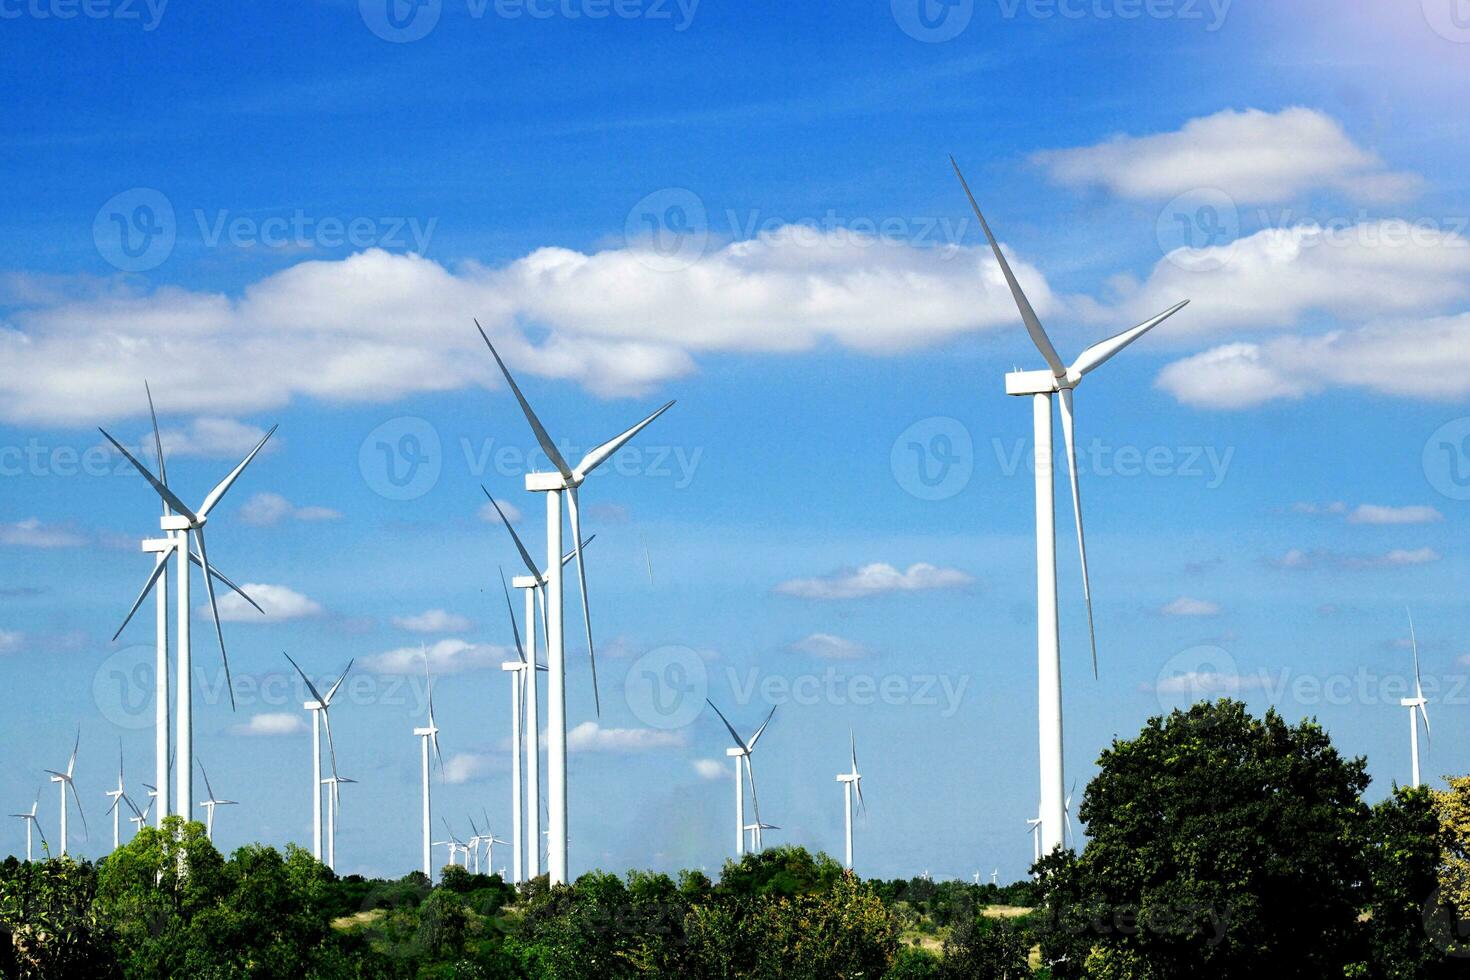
(163, 491)
(547, 446)
(332, 692)
(309, 685)
(599, 454)
(510, 608)
(1028, 315)
(1069, 437)
(1101, 351)
(216, 573)
(223, 487)
(754, 799)
(1424, 713)
(1414, 643)
(761, 730)
(158, 569)
(574, 510)
(331, 746)
(728, 727)
(525, 555)
(214, 610)
(572, 553)
(157, 443)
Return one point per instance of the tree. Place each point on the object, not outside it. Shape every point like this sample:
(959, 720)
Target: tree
(986, 949)
(1221, 846)
(49, 927)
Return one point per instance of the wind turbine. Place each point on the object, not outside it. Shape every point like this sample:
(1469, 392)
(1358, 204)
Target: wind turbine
(179, 523)
(741, 752)
(1416, 703)
(476, 839)
(140, 817)
(851, 782)
(1058, 381)
(533, 585)
(757, 839)
(429, 733)
(210, 804)
(565, 480)
(33, 824)
(334, 813)
(1033, 827)
(117, 796)
(64, 780)
(319, 707)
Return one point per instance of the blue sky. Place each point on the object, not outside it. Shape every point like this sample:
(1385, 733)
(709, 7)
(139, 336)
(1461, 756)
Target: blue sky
(747, 208)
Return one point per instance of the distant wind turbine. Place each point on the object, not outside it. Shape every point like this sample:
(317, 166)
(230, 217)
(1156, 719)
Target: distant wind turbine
(33, 824)
(1057, 381)
(851, 782)
(117, 796)
(1416, 704)
(741, 753)
(430, 734)
(209, 804)
(334, 814)
(320, 708)
(64, 781)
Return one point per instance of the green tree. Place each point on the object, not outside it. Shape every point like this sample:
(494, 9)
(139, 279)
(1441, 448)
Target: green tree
(49, 927)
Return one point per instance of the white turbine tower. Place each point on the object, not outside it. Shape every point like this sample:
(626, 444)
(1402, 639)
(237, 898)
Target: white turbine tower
(320, 708)
(64, 781)
(518, 670)
(1058, 381)
(117, 796)
(140, 817)
(741, 753)
(210, 804)
(180, 525)
(1416, 704)
(1033, 827)
(851, 782)
(565, 480)
(334, 814)
(757, 839)
(162, 550)
(33, 824)
(534, 586)
(429, 733)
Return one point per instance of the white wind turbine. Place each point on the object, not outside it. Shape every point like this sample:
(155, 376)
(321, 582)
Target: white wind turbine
(210, 804)
(1058, 381)
(851, 782)
(64, 781)
(1416, 703)
(320, 708)
(565, 480)
(179, 523)
(157, 582)
(117, 796)
(533, 585)
(32, 823)
(741, 753)
(140, 817)
(334, 813)
(429, 733)
(476, 839)
(1033, 827)
(757, 839)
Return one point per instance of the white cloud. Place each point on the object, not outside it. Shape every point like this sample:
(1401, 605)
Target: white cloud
(829, 647)
(1381, 514)
(32, 533)
(433, 621)
(279, 603)
(1296, 558)
(464, 767)
(271, 723)
(589, 736)
(512, 512)
(1187, 606)
(875, 579)
(375, 327)
(1252, 155)
(10, 641)
(449, 656)
(218, 438)
(267, 509)
(708, 769)
(1208, 684)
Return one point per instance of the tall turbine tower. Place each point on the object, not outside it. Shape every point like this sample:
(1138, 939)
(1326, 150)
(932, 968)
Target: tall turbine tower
(33, 824)
(518, 669)
(851, 782)
(64, 781)
(429, 733)
(117, 796)
(564, 481)
(1416, 704)
(181, 523)
(741, 752)
(334, 814)
(320, 708)
(1057, 381)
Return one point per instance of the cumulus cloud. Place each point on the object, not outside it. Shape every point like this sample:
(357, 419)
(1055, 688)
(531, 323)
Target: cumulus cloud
(589, 736)
(876, 578)
(32, 533)
(1381, 514)
(267, 509)
(1188, 606)
(270, 723)
(708, 769)
(374, 327)
(1205, 684)
(279, 603)
(1252, 155)
(1296, 559)
(829, 647)
(450, 656)
(434, 621)
(219, 438)
(512, 512)
(464, 767)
